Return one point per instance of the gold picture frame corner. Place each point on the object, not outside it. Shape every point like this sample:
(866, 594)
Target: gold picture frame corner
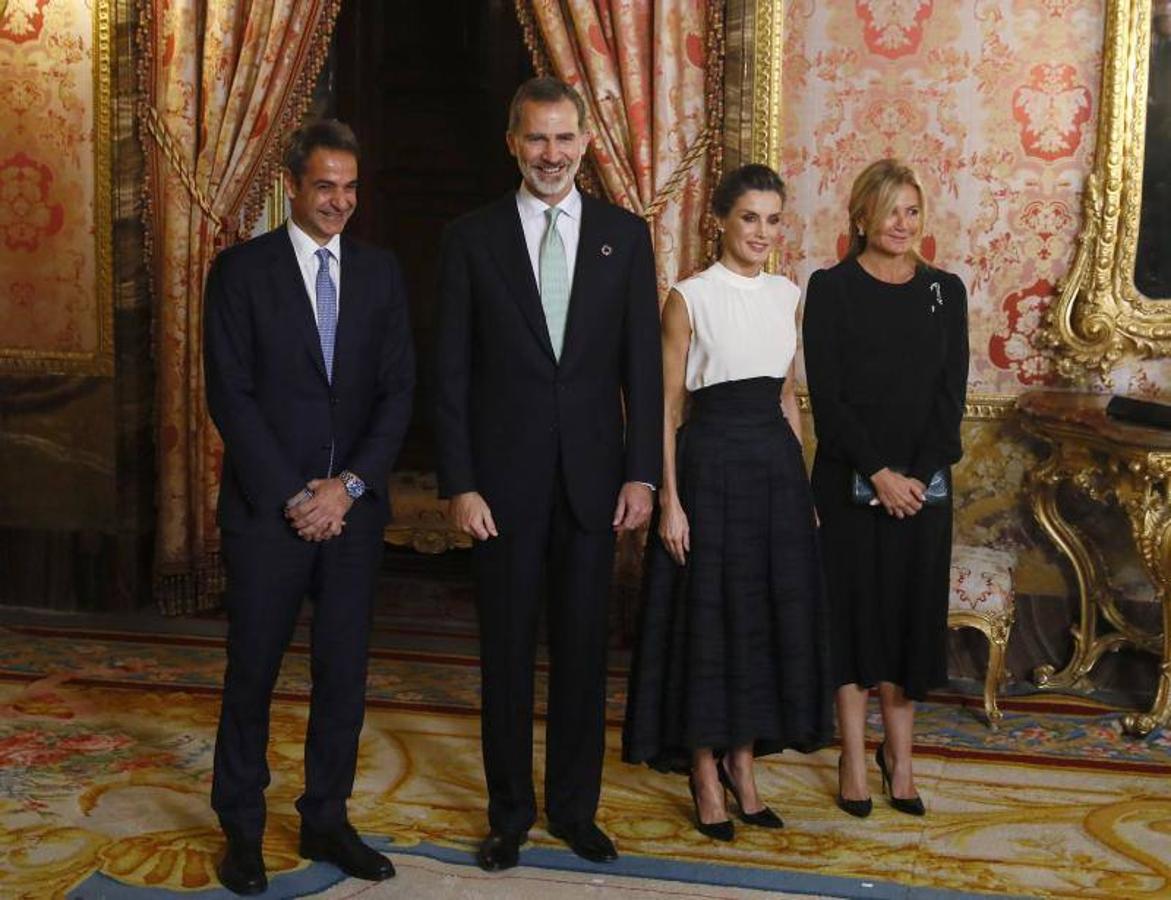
(1100, 318)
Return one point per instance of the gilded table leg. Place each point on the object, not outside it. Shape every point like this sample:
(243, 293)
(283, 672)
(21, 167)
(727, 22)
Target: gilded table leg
(1041, 486)
(1146, 502)
(994, 677)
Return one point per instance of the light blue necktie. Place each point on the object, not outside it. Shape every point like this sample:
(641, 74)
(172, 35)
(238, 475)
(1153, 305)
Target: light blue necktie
(554, 281)
(326, 310)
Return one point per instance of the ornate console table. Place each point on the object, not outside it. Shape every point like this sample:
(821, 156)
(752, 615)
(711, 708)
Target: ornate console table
(420, 517)
(1107, 461)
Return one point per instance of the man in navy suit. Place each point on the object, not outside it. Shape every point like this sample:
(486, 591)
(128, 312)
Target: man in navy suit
(549, 425)
(310, 374)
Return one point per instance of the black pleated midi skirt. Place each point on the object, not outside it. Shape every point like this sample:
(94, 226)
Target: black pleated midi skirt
(732, 646)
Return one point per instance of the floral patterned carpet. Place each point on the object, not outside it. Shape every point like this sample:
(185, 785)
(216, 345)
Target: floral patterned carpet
(105, 765)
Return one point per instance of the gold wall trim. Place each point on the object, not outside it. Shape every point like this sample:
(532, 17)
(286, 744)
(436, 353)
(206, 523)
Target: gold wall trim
(274, 208)
(1100, 316)
(100, 361)
(768, 22)
(754, 37)
(738, 47)
(979, 407)
(989, 406)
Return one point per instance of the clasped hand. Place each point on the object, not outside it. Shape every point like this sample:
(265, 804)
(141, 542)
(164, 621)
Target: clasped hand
(322, 515)
(899, 495)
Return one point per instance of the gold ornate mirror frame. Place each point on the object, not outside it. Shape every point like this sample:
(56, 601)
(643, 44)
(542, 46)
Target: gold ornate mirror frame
(1100, 316)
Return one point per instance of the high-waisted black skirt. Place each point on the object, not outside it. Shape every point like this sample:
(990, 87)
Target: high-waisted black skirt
(732, 646)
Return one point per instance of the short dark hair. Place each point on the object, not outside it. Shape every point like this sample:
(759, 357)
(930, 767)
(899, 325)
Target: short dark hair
(545, 89)
(328, 133)
(752, 177)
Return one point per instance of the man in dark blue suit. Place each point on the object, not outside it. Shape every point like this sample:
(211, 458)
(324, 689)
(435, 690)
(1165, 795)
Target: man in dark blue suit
(310, 373)
(549, 425)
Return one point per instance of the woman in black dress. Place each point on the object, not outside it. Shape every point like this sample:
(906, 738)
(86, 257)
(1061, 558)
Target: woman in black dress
(886, 356)
(731, 660)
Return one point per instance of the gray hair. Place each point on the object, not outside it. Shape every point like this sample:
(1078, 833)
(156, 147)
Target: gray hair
(544, 90)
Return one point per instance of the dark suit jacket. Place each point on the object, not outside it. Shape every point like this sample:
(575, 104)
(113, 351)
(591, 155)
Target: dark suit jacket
(507, 412)
(266, 387)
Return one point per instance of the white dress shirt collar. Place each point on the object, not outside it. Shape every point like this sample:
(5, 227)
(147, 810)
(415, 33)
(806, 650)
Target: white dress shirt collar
(305, 246)
(305, 250)
(531, 206)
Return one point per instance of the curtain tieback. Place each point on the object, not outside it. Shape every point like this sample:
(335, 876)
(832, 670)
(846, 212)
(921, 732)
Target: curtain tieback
(170, 147)
(675, 183)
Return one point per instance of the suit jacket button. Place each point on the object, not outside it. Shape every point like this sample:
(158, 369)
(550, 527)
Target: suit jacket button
(333, 401)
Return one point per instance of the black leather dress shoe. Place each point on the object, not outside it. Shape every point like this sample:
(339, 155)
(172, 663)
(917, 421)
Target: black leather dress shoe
(241, 870)
(586, 840)
(343, 848)
(499, 851)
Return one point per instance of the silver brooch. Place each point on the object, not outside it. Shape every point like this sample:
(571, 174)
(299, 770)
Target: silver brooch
(607, 249)
(935, 289)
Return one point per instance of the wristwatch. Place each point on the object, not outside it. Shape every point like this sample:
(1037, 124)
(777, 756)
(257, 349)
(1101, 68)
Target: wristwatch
(354, 485)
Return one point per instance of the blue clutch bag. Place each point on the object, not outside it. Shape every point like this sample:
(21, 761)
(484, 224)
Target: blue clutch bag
(938, 488)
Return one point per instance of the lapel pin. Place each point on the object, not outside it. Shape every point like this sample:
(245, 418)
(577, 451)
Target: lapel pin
(607, 249)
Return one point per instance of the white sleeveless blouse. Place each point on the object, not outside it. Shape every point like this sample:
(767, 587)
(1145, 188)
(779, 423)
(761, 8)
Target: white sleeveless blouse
(741, 327)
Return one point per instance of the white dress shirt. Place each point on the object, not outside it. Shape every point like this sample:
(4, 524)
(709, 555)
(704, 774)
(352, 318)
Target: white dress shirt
(306, 250)
(533, 221)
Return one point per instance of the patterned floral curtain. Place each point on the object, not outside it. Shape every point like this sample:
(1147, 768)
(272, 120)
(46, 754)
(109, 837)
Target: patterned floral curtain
(223, 83)
(650, 73)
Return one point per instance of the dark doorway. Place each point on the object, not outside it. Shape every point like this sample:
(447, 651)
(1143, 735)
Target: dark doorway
(426, 86)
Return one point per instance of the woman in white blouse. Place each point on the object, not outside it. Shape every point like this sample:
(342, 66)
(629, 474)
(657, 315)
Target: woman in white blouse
(730, 661)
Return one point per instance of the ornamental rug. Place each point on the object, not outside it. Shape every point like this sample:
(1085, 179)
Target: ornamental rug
(105, 767)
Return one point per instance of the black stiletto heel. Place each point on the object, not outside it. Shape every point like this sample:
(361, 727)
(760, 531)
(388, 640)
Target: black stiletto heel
(912, 806)
(859, 808)
(762, 818)
(717, 831)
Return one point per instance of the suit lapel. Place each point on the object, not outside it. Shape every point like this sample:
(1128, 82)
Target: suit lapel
(351, 304)
(290, 286)
(512, 256)
(585, 270)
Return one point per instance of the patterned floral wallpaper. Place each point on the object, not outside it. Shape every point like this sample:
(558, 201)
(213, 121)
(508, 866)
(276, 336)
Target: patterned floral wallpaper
(48, 294)
(993, 101)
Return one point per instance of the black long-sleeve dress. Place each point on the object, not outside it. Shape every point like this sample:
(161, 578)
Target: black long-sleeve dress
(887, 367)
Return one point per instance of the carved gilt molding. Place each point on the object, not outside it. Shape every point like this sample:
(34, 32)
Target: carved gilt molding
(1100, 316)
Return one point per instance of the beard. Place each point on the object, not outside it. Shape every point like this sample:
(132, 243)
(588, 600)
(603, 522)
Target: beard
(545, 184)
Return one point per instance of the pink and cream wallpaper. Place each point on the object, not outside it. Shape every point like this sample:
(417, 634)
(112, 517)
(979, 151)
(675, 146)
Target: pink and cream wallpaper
(49, 305)
(994, 102)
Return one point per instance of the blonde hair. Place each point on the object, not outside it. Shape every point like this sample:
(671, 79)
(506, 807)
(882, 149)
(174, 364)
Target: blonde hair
(873, 197)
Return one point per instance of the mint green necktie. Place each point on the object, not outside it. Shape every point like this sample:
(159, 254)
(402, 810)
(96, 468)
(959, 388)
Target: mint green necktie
(554, 281)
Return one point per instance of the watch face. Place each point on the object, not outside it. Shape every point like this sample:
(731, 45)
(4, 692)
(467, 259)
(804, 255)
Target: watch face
(353, 485)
